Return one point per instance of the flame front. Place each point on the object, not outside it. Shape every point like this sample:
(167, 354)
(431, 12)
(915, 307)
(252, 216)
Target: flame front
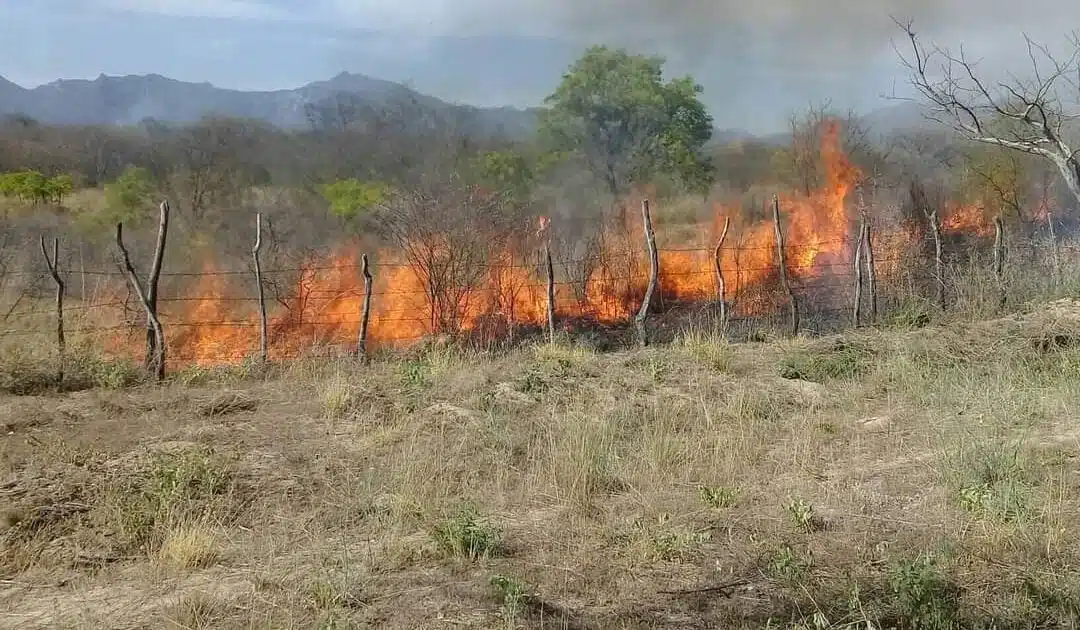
(325, 304)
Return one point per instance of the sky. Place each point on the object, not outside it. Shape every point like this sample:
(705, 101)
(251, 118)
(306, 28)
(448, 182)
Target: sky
(758, 60)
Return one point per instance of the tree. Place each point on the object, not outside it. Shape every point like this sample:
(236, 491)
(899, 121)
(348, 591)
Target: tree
(506, 171)
(614, 111)
(449, 233)
(348, 198)
(58, 187)
(127, 197)
(1026, 115)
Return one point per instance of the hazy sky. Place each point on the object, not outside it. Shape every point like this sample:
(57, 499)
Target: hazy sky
(758, 59)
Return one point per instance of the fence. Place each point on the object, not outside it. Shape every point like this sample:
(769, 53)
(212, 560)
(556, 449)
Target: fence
(221, 316)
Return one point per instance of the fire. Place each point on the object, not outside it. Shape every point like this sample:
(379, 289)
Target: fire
(966, 219)
(205, 325)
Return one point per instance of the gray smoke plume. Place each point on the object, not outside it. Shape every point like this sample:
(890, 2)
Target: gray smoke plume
(796, 34)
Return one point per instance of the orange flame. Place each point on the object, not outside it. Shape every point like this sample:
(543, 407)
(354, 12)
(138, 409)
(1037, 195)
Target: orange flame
(325, 305)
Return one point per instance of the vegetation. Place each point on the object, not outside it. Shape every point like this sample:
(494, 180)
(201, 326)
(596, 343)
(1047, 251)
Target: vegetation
(614, 112)
(912, 473)
(443, 473)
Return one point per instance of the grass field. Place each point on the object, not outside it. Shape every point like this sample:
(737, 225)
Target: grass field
(883, 478)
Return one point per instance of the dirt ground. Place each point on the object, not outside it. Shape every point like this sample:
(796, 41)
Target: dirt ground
(902, 478)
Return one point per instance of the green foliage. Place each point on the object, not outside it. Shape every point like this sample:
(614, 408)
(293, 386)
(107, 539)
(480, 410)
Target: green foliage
(718, 497)
(176, 487)
(788, 566)
(511, 593)
(838, 360)
(926, 599)
(994, 484)
(350, 198)
(468, 535)
(615, 111)
(128, 196)
(33, 187)
(506, 171)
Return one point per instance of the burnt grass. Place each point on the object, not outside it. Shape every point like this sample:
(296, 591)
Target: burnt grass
(916, 476)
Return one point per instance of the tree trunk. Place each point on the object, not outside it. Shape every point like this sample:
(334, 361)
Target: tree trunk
(365, 314)
(52, 264)
(654, 272)
(793, 303)
(264, 342)
(152, 281)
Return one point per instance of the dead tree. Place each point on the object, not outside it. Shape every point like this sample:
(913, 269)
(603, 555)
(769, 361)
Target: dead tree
(999, 260)
(157, 365)
(859, 242)
(263, 336)
(793, 302)
(721, 286)
(939, 261)
(365, 313)
(1025, 115)
(152, 283)
(53, 263)
(654, 272)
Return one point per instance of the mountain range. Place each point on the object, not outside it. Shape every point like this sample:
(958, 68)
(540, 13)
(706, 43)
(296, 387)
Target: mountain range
(126, 100)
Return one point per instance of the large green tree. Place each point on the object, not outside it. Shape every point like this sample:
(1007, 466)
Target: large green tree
(615, 111)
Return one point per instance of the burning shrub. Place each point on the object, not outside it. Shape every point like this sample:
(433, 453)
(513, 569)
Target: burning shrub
(450, 235)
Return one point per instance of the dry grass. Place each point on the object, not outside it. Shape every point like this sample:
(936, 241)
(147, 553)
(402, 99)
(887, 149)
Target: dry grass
(190, 546)
(902, 478)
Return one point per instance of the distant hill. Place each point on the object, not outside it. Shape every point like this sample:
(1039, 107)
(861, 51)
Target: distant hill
(126, 100)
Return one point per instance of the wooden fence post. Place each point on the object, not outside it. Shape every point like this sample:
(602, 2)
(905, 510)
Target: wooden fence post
(939, 262)
(793, 302)
(53, 264)
(264, 342)
(871, 269)
(1056, 259)
(859, 243)
(365, 313)
(721, 286)
(152, 283)
(999, 260)
(158, 360)
(550, 293)
(654, 271)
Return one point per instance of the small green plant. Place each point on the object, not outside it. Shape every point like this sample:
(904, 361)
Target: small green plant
(840, 359)
(994, 485)
(786, 565)
(467, 535)
(910, 315)
(718, 497)
(511, 593)
(415, 373)
(671, 546)
(803, 515)
(174, 491)
(708, 347)
(926, 599)
(532, 383)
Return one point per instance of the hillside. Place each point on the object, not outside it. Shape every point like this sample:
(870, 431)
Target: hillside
(884, 478)
(129, 99)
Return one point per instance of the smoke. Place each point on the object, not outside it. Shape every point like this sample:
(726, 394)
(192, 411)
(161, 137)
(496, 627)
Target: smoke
(757, 59)
(788, 34)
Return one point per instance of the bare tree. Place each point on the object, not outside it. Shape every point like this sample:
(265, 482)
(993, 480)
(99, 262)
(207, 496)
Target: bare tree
(1022, 114)
(449, 235)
